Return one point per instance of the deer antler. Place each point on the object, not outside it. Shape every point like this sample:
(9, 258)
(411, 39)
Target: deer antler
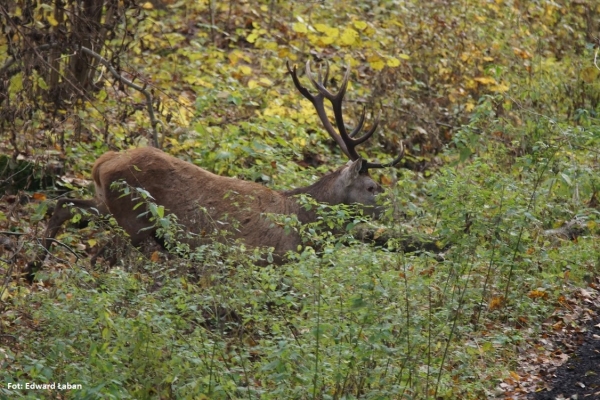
(346, 141)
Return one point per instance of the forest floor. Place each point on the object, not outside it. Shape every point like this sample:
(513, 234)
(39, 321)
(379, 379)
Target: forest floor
(566, 363)
(578, 378)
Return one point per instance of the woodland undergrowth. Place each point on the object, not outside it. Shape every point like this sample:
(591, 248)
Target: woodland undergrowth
(497, 105)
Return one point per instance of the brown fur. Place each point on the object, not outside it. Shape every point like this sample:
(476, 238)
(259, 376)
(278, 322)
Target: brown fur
(200, 198)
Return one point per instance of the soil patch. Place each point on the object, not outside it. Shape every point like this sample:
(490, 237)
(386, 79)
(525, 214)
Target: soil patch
(579, 377)
(561, 360)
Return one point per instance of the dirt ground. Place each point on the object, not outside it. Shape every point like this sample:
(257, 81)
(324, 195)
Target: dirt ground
(579, 377)
(561, 359)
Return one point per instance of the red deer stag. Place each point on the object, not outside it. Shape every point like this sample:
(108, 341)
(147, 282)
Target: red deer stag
(199, 198)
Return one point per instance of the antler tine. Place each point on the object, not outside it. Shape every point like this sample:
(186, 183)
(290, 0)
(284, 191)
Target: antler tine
(359, 127)
(304, 91)
(345, 140)
(320, 85)
(336, 102)
(326, 76)
(361, 122)
(318, 103)
(395, 161)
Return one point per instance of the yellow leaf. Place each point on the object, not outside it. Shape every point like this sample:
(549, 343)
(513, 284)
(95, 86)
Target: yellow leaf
(322, 28)
(314, 39)
(327, 39)
(194, 80)
(333, 32)
(349, 37)
(470, 83)
(184, 116)
(299, 27)
(591, 225)
(393, 62)
(373, 57)
(274, 109)
(499, 88)
(328, 31)
(147, 6)
(494, 7)
(270, 46)
(469, 106)
(185, 100)
(265, 82)
(485, 80)
(444, 71)
(42, 83)
(283, 52)
(251, 38)
(92, 242)
(351, 61)
(300, 141)
(5, 295)
(360, 25)
(404, 56)
(52, 20)
(234, 57)
(245, 70)
(252, 84)
(377, 65)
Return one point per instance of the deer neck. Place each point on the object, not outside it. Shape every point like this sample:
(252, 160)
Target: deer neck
(322, 191)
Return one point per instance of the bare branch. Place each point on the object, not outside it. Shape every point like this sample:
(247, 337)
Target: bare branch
(153, 120)
(65, 246)
(11, 262)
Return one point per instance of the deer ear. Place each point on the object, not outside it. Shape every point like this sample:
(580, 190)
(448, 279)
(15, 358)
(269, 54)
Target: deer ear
(351, 172)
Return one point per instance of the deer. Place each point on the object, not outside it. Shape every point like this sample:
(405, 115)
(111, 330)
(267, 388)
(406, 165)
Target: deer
(199, 198)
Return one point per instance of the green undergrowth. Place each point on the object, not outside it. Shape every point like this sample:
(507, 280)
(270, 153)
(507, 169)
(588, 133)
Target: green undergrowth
(352, 321)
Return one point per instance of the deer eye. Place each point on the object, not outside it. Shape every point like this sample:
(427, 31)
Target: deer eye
(371, 189)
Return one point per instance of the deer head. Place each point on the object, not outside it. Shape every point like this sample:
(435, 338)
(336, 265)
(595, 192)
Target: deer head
(354, 185)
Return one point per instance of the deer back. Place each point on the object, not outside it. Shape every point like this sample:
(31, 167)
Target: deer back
(201, 200)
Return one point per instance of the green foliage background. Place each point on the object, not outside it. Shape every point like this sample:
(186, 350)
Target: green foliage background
(498, 104)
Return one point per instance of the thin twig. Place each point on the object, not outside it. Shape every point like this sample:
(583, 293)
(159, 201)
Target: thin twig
(12, 233)
(13, 60)
(4, 336)
(63, 245)
(149, 100)
(12, 264)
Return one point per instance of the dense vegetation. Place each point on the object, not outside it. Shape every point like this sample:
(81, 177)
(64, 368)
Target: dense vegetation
(497, 103)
